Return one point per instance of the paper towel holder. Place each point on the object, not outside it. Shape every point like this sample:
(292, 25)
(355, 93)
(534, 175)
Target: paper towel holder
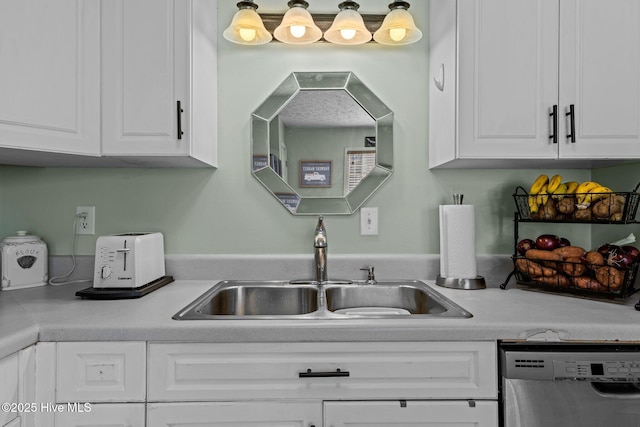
(477, 282)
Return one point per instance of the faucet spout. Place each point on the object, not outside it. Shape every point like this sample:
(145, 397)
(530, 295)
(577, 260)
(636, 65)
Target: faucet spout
(320, 253)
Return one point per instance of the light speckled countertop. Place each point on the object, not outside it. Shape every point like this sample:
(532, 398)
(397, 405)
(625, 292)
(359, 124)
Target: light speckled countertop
(54, 313)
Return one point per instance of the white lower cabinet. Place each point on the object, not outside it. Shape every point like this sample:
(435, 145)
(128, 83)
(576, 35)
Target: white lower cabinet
(103, 415)
(90, 384)
(100, 372)
(411, 413)
(235, 414)
(9, 388)
(17, 422)
(330, 384)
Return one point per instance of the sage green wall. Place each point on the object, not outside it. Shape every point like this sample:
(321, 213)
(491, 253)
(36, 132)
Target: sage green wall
(226, 211)
(620, 178)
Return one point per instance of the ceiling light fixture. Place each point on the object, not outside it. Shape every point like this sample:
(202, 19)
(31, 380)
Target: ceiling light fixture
(348, 26)
(297, 25)
(398, 27)
(246, 26)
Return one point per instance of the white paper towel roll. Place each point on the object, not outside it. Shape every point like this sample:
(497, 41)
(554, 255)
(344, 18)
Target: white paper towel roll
(458, 241)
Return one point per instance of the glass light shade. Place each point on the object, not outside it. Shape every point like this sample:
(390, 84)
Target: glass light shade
(247, 28)
(398, 28)
(297, 27)
(348, 29)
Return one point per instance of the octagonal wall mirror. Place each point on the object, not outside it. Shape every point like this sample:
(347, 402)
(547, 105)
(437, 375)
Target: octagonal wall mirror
(322, 143)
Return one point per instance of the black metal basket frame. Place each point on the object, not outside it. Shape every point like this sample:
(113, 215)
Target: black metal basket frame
(625, 290)
(632, 201)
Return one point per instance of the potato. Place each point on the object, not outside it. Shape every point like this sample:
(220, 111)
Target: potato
(610, 277)
(594, 259)
(608, 206)
(573, 267)
(549, 210)
(567, 205)
(583, 214)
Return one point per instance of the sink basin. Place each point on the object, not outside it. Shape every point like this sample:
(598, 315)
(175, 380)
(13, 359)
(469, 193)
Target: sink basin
(378, 298)
(311, 300)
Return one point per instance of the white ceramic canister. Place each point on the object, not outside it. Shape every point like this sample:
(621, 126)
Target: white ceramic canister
(24, 261)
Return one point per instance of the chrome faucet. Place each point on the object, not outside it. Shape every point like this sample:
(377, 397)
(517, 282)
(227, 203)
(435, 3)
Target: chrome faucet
(320, 254)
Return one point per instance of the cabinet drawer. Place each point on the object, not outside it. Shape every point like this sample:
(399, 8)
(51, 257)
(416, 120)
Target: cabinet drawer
(402, 370)
(8, 386)
(101, 372)
(411, 413)
(104, 415)
(226, 414)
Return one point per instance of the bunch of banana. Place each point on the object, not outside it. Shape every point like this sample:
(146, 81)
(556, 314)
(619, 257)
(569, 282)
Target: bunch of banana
(590, 191)
(542, 188)
(536, 192)
(585, 193)
(565, 189)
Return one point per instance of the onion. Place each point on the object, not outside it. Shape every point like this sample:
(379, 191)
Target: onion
(524, 245)
(547, 242)
(632, 251)
(564, 242)
(619, 258)
(607, 248)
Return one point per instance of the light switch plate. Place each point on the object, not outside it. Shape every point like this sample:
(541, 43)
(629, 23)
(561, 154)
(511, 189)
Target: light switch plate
(369, 221)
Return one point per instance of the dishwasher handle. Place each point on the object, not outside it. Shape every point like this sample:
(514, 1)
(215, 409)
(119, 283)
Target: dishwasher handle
(617, 390)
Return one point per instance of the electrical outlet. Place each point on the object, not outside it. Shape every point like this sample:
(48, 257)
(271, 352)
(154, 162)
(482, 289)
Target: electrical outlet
(368, 221)
(86, 220)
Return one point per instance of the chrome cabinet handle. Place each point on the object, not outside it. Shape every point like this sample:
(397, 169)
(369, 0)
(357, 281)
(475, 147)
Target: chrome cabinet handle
(572, 119)
(554, 120)
(320, 374)
(179, 113)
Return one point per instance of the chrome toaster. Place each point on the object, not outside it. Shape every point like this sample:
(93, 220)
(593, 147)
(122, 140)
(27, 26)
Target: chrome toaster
(128, 260)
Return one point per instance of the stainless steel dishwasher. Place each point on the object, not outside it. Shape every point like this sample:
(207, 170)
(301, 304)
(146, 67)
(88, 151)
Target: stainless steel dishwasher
(548, 385)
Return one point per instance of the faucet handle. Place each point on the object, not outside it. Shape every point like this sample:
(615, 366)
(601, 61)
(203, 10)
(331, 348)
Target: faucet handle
(371, 278)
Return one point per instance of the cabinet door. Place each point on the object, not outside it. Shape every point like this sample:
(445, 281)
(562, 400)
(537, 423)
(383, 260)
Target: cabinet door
(600, 76)
(145, 54)
(8, 386)
(102, 415)
(50, 75)
(236, 414)
(101, 372)
(17, 422)
(371, 370)
(410, 414)
(507, 66)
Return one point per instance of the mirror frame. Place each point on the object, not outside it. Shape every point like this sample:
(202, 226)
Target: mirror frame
(263, 117)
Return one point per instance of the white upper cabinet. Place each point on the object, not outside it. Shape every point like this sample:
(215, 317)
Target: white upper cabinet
(150, 49)
(600, 76)
(97, 83)
(504, 74)
(50, 76)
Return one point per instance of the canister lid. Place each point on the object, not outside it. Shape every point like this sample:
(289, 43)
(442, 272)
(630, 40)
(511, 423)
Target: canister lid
(22, 237)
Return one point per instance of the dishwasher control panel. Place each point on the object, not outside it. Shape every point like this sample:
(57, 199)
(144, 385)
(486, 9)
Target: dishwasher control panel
(623, 370)
(551, 363)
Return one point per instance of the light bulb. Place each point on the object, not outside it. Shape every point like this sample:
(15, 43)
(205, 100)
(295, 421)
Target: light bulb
(347, 33)
(247, 34)
(298, 31)
(397, 34)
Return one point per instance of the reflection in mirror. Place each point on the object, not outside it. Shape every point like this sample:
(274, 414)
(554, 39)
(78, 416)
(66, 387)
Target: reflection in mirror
(322, 143)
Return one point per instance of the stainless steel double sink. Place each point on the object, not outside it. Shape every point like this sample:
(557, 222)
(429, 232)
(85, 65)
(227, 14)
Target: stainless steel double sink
(313, 300)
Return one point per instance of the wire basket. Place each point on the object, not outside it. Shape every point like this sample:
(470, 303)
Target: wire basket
(608, 208)
(577, 277)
